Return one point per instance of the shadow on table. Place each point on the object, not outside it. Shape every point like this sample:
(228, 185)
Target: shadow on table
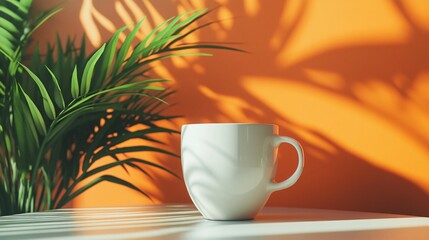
(307, 215)
(321, 225)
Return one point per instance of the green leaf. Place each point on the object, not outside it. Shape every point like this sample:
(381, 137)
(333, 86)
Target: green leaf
(58, 95)
(47, 102)
(43, 18)
(30, 130)
(142, 85)
(109, 54)
(139, 133)
(6, 34)
(24, 9)
(26, 3)
(2, 88)
(156, 45)
(169, 29)
(141, 48)
(74, 83)
(108, 152)
(6, 47)
(107, 178)
(73, 119)
(153, 32)
(35, 58)
(5, 53)
(127, 162)
(124, 48)
(45, 196)
(116, 96)
(60, 52)
(146, 62)
(81, 57)
(184, 24)
(49, 58)
(136, 166)
(80, 109)
(35, 113)
(88, 71)
(206, 46)
(96, 142)
(26, 134)
(11, 14)
(197, 15)
(7, 25)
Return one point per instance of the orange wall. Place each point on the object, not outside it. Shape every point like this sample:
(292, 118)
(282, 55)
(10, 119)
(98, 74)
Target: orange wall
(348, 79)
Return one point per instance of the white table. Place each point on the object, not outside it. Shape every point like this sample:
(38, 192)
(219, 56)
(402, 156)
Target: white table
(185, 222)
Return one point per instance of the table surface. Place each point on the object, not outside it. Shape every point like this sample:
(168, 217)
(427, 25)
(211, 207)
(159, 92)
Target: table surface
(185, 222)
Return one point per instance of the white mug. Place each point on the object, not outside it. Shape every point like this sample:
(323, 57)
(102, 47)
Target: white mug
(229, 167)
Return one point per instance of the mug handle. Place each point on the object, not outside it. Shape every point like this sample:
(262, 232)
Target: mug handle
(272, 186)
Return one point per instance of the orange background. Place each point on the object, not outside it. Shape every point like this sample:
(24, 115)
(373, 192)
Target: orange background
(348, 79)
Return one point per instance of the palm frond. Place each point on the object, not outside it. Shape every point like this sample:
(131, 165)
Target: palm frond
(67, 110)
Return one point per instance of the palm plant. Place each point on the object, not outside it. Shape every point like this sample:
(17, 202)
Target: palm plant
(65, 110)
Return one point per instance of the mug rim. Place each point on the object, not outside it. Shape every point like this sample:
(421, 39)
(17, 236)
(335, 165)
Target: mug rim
(228, 124)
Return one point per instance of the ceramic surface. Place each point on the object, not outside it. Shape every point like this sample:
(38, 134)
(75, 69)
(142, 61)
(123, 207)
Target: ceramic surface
(229, 168)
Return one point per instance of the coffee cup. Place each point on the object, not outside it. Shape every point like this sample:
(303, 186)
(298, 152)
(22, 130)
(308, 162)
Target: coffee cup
(229, 168)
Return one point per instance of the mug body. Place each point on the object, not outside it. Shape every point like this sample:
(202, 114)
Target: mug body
(227, 167)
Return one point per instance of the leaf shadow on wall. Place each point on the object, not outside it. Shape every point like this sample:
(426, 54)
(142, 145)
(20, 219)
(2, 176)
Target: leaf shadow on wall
(334, 176)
